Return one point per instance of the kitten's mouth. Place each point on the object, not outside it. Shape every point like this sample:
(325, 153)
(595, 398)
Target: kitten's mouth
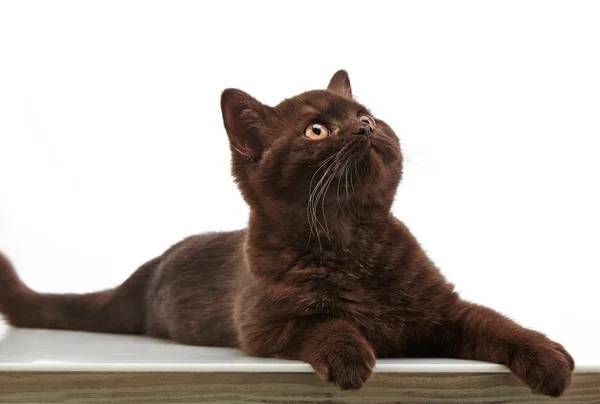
(356, 150)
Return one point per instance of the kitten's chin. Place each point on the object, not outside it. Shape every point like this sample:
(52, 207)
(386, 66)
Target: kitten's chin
(384, 154)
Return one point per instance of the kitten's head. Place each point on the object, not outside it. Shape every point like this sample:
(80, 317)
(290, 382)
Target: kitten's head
(316, 151)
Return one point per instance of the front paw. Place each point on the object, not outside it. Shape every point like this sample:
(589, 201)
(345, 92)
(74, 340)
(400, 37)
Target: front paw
(347, 365)
(543, 366)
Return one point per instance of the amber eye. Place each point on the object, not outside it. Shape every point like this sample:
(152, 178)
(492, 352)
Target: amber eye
(316, 131)
(368, 119)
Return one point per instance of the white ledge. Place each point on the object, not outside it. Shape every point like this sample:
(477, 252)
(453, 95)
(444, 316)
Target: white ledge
(36, 350)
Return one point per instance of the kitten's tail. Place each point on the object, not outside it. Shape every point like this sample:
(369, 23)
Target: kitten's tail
(118, 310)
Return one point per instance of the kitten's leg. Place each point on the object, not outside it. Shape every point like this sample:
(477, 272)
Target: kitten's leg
(335, 348)
(479, 333)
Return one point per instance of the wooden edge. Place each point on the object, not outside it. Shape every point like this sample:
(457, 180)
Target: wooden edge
(406, 388)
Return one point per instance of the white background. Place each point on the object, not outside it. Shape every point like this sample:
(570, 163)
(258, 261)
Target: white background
(112, 146)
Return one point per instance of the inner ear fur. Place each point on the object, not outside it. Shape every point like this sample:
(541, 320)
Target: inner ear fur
(244, 119)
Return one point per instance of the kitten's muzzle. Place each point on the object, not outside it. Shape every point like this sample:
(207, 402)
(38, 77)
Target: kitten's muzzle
(365, 130)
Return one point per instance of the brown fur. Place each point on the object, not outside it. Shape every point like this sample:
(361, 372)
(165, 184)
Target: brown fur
(324, 273)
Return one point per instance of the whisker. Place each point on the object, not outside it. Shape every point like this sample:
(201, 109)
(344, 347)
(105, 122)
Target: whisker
(312, 219)
(265, 179)
(320, 186)
(344, 172)
(323, 196)
(347, 194)
(352, 181)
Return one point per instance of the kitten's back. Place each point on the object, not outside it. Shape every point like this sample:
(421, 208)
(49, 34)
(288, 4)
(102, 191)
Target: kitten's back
(188, 288)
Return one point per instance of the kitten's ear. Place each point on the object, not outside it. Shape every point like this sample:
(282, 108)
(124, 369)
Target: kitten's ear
(340, 83)
(244, 118)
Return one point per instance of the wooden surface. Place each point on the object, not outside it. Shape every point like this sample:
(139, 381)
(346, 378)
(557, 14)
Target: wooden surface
(456, 388)
(49, 366)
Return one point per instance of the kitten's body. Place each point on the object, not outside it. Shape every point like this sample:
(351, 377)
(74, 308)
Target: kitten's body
(324, 273)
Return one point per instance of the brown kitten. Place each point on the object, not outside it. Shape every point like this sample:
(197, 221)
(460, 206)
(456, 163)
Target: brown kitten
(324, 273)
